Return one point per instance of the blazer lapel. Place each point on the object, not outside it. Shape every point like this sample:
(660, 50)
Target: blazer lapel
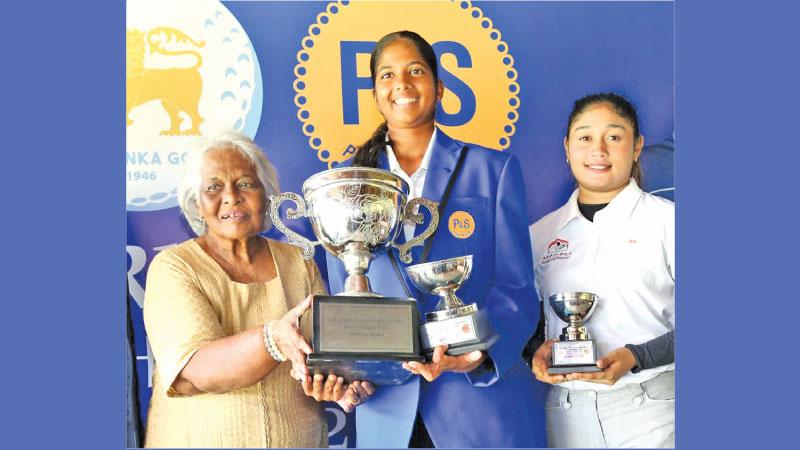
(443, 162)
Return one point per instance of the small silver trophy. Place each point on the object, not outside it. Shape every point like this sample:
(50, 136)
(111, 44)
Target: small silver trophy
(355, 212)
(575, 350)
(463, 327)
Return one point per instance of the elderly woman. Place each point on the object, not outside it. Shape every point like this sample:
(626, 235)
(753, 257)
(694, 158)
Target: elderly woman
(222, 313)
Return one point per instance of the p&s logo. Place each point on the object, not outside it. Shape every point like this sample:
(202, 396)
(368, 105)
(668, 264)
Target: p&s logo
(461, 224)
(334, 90)
(190, 71)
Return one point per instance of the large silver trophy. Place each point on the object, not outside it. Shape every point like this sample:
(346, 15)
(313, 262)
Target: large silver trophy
(463, 327)
(575, 350)
(355, 212)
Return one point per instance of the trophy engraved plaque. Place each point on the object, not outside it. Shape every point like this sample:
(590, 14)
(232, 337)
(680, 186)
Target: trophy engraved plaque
(575, 350)
(355, 212)
(463, 327)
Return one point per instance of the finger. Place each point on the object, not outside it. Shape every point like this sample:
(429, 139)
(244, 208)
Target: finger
(299, 308)
(292, 318)
(359, 390)
(538, 360)
(603, 362)
(299, 342)
(357, 387)
(317, 386)
(475, 355)
(553, 378)
(352, 395)
(540, 367)
(347, 402)
(545, 350)
(338, 388)
(438, 353)
(368, 387)
(429, 371)
(289, 340)
(305, 381)
(347, 406)
(328, 382)
(541, 363)
(587, 376)
(412, 367)
(299, 365)
(468, 360)
(327, 388)
(591, 379)
(540, 371)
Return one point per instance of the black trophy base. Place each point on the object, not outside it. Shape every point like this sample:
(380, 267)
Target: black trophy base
(578, 368)
(466, 347)
(380, 371)
(364, 338)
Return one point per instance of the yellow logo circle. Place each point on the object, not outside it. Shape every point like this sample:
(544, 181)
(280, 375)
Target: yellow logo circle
(334, 90)
(461, 224)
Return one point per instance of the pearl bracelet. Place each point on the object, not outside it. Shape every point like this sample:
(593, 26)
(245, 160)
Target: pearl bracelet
(272, 348)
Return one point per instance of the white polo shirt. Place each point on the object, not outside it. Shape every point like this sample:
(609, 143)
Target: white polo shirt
(626, 257)
(416, 181)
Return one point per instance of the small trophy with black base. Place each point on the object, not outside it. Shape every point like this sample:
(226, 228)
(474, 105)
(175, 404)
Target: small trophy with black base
(575, 351)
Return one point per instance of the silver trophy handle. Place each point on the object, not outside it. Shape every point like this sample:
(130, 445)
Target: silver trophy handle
(409, 216)
(291, 213)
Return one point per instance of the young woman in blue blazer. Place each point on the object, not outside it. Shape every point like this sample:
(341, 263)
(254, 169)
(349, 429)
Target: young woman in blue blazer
(482, 398)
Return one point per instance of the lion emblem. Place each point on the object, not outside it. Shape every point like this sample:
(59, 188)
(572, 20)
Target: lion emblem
(177, 88)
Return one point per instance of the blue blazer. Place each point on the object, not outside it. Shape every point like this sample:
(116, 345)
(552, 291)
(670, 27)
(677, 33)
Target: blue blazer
(499, 404)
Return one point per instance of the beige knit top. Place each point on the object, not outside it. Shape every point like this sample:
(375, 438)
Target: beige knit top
(190, 301)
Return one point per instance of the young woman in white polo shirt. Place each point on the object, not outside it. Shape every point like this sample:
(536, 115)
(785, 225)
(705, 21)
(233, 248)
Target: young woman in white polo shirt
(616, 241)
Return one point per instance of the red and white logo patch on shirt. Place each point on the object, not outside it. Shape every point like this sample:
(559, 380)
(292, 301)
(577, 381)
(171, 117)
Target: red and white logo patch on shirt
(557, 249)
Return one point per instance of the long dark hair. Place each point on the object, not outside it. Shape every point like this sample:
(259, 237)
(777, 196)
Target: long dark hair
(368, 152)
(619, 105)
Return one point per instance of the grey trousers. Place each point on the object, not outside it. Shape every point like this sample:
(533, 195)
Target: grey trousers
(636, 415)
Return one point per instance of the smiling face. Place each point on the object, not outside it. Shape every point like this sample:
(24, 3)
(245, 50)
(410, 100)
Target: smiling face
(406, 91)
(601, 148)
(231, 200)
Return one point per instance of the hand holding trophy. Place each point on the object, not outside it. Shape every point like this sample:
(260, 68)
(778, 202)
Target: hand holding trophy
(575, 350)
(463, 327)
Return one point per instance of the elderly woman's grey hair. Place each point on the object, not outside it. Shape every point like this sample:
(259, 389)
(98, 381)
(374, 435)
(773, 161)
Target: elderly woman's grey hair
(189, 187)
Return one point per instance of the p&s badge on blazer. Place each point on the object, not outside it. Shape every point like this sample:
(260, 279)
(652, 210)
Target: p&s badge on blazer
(461, 224)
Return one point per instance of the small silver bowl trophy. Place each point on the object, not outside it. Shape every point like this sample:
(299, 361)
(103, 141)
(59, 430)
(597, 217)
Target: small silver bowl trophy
(575, 350)
(355, 212)
(463, 327)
